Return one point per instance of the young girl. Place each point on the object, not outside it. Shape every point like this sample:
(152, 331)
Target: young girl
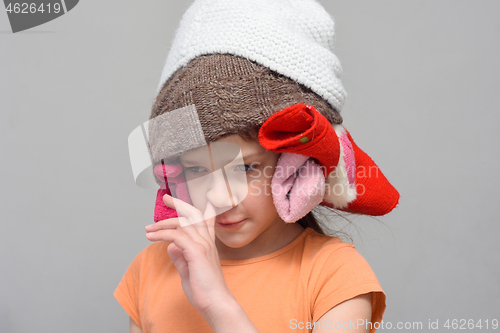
(236, 247)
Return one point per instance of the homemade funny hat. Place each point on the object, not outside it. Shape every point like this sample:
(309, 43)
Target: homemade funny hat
(231, 95)
(246, 64)
(291, 37)
(284, 55)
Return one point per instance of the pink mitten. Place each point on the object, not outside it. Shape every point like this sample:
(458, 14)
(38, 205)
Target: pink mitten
(172, 178)
(298, 185)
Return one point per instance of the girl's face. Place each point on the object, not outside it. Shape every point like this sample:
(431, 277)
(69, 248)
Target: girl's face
(261, 229)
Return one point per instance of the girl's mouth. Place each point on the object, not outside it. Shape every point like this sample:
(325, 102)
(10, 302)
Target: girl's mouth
(231, 225)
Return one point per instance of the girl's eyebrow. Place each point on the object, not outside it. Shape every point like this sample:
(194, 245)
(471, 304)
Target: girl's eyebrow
(245, 158)
(250, 156)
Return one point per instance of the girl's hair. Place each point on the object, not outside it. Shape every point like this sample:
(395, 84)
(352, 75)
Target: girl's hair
(310, 221)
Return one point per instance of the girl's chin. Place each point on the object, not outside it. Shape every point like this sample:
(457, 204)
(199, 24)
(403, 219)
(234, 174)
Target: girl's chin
(226, 241)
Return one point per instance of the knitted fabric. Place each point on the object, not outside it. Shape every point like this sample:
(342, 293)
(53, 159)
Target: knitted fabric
(375, 195)
(292, 37)
(301, 129)
(358, 184)
(171, 177)
(298, 186)
(235, 64)
(230, 94)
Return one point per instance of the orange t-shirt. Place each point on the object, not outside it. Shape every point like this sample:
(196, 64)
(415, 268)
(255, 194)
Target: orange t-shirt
(284, 291)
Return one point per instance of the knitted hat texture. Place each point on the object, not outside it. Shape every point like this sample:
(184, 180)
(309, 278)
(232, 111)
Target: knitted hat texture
(217, 95)
(292, 37)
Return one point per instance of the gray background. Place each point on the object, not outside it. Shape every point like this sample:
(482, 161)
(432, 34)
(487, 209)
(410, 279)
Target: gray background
(423, 79)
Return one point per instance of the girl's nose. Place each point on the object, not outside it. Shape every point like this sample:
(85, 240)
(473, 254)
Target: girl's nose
(219, 192)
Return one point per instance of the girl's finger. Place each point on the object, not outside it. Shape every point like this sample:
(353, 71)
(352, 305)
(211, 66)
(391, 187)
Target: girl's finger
(176, 236)
(183, 208)
(193, 223)
(209, 217)
(171, 223)
(165, 235)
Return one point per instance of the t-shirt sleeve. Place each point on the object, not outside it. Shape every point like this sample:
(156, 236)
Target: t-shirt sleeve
(343, 275)
(127, 291)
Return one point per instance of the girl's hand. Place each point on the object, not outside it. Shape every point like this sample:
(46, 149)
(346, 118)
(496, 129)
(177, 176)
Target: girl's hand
(194, 254)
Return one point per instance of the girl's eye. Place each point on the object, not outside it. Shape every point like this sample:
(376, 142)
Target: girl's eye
(247, 167)
(240, 167)
(195, 169)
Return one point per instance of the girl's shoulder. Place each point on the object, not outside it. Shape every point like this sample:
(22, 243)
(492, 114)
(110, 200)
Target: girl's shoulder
(337, 272)
(152, 255)
(330, 258)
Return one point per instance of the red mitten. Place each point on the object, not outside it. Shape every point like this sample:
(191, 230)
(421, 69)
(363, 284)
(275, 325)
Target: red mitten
(355, 182)
(170, 175)
(375, 195)
(301, 129)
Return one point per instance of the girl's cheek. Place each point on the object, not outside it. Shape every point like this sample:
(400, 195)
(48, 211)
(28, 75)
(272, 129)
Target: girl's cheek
(268, 171)
(254, 175)
(255, 188)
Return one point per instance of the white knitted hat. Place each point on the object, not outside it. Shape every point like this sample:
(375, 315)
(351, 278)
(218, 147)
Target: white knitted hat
(291, 37)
